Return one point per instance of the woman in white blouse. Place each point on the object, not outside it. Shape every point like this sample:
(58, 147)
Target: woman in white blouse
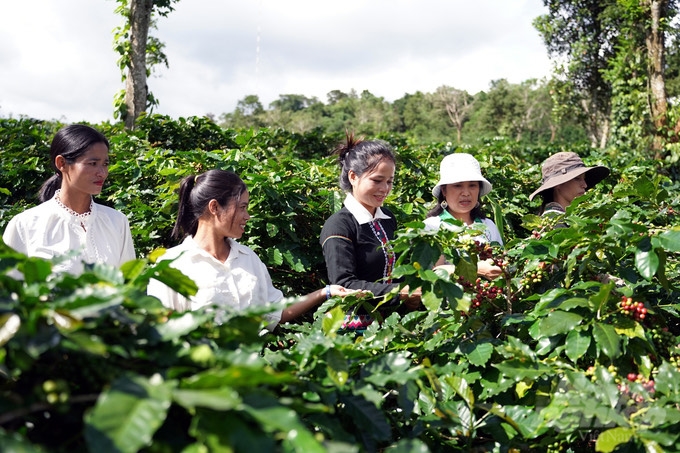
(213, 212)
(68, 226)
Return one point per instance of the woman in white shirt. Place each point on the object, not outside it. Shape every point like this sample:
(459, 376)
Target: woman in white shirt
(213, 212)
(458, 193)
(68, 226)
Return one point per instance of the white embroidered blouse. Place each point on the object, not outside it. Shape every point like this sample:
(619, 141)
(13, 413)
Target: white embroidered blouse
(50, 231)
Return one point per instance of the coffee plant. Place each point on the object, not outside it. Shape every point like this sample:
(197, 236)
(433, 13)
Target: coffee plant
(573, 348)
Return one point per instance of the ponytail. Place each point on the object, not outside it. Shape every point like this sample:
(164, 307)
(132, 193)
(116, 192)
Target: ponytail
(196, 192)
(187, 222)
(49, 187)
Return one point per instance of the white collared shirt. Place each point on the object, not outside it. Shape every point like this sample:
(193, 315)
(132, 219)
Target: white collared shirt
(239, 282)
(360, 212)
(49, 231)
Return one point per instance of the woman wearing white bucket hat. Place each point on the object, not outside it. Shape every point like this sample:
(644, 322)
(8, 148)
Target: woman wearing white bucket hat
(458, 193)
(565, 177)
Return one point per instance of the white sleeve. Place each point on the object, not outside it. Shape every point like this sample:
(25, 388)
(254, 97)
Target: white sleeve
(494, 234)
(128, 249)
(13, 237)
(169, 298)
(274, 296)
(432, 223)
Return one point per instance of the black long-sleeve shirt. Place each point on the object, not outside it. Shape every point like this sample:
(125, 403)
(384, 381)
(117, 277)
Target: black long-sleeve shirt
(354, 255)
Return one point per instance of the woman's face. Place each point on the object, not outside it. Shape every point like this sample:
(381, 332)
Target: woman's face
(462, 197)
(371, 189)
(232, 219)
(89, 171)
(565, 193)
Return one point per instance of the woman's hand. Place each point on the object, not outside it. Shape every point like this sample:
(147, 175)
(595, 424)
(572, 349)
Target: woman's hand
(449, 268)
(411, 301)
(488, 269)
(341, 291)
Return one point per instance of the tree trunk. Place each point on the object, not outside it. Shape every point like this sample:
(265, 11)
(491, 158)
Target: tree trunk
(553, 132)
(605, 133)
(597, 125)
(456, 106)
(657, 84)
(136, 89)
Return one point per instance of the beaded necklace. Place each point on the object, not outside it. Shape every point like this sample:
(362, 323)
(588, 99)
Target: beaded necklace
(78, 216)
(380, 233)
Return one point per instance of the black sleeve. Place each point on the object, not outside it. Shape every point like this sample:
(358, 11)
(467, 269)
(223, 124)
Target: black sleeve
(338, 240)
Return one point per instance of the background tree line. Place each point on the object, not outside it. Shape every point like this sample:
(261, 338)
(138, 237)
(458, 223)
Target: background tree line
(521, 111)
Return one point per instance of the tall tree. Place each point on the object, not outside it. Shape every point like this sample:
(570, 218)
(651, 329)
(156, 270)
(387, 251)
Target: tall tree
(139, 52)
(654, 39)
(458, 104)
(249, 113)
(599, 44)
(420, 117)
(579, 32)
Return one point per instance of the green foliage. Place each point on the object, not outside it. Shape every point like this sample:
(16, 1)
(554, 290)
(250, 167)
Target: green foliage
(518, 111)
(574, 348)
(24, 144)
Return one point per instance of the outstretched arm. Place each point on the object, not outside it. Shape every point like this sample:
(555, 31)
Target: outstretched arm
(312, 300)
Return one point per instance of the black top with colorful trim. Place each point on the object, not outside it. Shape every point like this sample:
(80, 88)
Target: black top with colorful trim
(359, 256)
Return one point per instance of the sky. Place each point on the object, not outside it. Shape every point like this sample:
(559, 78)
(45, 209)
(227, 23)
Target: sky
(57, 60)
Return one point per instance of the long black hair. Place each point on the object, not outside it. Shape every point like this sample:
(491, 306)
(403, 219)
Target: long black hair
(195, 192)
(70, 142)
(360, 156)
(548, 196)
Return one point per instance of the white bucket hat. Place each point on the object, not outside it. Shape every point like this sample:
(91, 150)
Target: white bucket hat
(461, 167)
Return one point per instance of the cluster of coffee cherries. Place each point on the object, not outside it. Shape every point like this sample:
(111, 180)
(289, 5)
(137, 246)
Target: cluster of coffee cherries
(482, 250)
(56, 391)
(481, 290)
(535, 276)
(624, 383)
(485, 252)
(647, 384)
(675, 361)
(664, 341)
(554, 447)
(635, 310)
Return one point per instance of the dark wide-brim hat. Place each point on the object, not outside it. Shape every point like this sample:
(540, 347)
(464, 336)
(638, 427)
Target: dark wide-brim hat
(565, 166)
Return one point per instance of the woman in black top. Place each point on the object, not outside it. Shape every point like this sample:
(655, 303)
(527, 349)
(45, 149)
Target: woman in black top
(356, 239)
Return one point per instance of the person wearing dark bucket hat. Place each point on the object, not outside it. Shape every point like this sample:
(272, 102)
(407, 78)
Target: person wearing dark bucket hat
(458, 193)
(565, 177)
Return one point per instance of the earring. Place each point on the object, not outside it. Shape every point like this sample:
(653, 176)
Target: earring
(444, 204)
(477, 205)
